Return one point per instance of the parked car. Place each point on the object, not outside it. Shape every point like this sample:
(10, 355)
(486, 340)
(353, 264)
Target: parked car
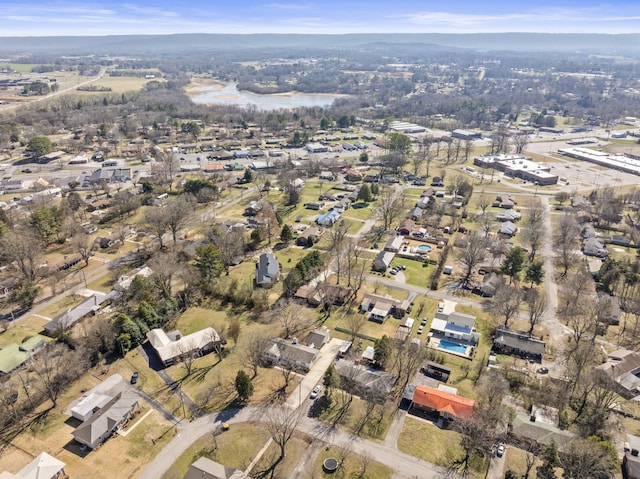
(134, 378)
(423, 322)
(315, 392)
(440, 307)
(393, 271)
(500, 451)
(420, 329)
(543, 371)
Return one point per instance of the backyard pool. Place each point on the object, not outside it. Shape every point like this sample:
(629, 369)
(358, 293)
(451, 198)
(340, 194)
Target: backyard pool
(452, 347)
(424, 248)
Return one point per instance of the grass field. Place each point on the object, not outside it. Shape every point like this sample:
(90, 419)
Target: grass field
(19, 67)
(118, 84)
(19, 331)
(352, 466)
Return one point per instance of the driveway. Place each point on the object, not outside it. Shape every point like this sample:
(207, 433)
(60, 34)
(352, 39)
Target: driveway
(326, 356)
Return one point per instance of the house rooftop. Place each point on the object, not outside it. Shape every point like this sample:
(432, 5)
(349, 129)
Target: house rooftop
(167, 348)
(444, 401)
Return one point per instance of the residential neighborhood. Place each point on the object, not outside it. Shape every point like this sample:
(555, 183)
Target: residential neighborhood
(211, 290)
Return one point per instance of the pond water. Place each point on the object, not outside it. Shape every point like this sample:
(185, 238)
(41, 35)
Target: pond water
(228, 94)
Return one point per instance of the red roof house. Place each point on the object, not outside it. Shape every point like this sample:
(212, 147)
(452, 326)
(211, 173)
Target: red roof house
(447, 404)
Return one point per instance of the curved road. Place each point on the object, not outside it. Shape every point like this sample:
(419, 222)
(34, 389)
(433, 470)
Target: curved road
(404, 466)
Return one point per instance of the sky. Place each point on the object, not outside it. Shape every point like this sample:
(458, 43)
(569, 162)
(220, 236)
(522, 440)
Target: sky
(91, 17)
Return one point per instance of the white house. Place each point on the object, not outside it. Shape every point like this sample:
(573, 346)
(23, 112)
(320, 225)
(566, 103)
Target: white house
(173, 346)
(456, 326)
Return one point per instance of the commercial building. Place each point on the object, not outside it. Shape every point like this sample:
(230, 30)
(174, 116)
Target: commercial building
(602, 158)
(518, 166)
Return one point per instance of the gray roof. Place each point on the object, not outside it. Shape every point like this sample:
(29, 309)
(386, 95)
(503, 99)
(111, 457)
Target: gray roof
(106, 419)
(205, 468)
(71, 316)
(287, 351)
(267, 269)
(519, 340)
(507, 228)
(364, 378)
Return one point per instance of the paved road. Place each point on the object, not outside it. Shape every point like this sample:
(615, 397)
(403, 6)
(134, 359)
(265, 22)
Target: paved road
(403, 465)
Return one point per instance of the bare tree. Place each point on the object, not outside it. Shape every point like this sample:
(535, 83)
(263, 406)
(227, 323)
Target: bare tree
(156, 220)
(486, 222)
(166, 169)
(520, 142)
(484, 201)
(81, 243)
(230, 244)
(566, 241)
(253, 347)
(55, 368)
(355, 323)
(187, 354)
(163, 267)
(390, 206)
(281, 424)
(537, 306)
(534, 230)
(293, 318)
(23, 248)
(506, 302)
(176, 214)
(472, 255)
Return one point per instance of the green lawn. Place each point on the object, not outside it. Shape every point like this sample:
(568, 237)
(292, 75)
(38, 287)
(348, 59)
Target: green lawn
(353, 466)
(20, 330)
(426, 441)
(19, 67)
(195, 319)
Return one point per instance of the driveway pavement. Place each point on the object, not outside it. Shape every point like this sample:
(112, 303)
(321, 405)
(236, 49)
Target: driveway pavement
(326, 356)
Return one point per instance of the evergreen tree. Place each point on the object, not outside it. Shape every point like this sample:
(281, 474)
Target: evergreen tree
(286, 235)
(534, 273)
(244, 386)
(513, 262)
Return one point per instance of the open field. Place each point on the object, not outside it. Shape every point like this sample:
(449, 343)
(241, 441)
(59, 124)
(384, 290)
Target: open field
(18, 331)
(118, 84)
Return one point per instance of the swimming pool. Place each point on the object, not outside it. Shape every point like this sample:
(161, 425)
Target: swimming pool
(424, 248)
(452, 347)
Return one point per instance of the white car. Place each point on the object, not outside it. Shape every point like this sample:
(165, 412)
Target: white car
(315, 392)
(500, 451)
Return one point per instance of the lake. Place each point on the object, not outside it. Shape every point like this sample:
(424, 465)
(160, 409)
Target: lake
(228, 94)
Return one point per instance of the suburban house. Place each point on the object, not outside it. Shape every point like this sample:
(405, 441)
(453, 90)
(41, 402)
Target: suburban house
(490, 283)
(72, 316)
(253, 208)
(283, 352)
(509, 215)
(415, 213)
(89, 405)
(593, 247)
(623, 366)
(309, 235)
(383, 261)
(541, 426)
(507, 229)
(318, 294)
(610, 308)
(630, 461)
(518, 343)
(205, 468)
(361, 380)
(329, 218)
(379, 307)
(394, 244)
(106, 421)
(317, 338)
(14, 356)
(44, 466)
(406, 226)
(267, 270)
(442, 402)
(173, 346)
(455, 326)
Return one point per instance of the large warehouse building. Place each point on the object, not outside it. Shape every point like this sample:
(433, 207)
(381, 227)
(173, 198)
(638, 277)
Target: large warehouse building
(518, 166)
(602, 158)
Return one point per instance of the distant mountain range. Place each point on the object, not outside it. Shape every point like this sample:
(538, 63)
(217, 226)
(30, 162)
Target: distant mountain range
(137, 44)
